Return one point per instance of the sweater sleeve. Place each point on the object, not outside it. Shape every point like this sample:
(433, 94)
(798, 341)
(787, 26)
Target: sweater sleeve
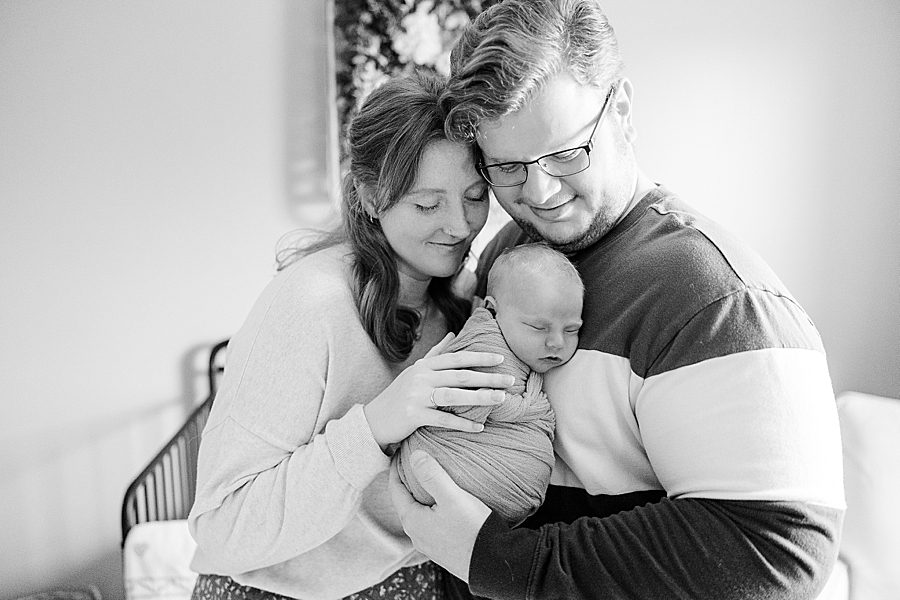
(685, 548)
(281, 470)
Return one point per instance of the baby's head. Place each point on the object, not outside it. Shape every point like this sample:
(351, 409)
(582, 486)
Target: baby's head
(536, 295)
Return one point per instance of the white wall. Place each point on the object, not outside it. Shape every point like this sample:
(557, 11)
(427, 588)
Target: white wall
(153, 151)
(781, 119)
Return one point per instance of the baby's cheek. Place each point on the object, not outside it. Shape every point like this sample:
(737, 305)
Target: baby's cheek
(571, 349)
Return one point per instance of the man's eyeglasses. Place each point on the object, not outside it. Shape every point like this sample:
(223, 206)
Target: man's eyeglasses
(557, 164)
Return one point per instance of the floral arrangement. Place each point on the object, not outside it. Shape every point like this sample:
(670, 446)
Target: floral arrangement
(377, 39)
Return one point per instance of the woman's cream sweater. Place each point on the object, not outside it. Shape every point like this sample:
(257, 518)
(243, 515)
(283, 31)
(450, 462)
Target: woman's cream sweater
(292, 488)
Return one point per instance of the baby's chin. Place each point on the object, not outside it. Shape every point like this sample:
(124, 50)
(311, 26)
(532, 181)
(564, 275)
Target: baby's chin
(542, 365)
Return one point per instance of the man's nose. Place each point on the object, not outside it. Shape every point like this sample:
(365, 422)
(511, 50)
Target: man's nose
(539, 186)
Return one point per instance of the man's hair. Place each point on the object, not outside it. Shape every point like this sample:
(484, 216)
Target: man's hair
(513, 48)
(532, 263)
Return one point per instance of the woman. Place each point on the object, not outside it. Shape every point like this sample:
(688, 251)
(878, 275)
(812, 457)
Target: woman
(332, 370)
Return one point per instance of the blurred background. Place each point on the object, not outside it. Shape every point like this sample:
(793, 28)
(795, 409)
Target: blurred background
(152, 153)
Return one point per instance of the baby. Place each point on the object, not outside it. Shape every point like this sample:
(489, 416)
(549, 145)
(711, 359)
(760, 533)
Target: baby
(531, 315)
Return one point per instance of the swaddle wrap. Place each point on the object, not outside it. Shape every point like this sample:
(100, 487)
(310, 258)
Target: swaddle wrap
(507, 466)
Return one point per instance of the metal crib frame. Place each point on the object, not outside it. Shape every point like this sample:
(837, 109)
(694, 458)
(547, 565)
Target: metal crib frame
(165, 489)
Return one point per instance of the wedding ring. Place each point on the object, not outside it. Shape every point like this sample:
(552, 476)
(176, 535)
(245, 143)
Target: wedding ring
(431, 397)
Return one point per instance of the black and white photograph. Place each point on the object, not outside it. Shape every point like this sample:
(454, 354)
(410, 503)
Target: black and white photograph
(449, 300)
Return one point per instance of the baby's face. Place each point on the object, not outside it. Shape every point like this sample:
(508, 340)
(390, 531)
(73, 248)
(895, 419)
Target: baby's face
(540, 324)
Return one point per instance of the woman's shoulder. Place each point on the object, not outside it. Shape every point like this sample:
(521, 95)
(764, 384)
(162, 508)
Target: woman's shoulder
(329, 264)
(319, 280)
(305, 309)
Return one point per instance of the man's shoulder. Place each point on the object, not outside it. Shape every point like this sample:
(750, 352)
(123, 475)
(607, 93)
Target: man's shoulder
(699, 253)
(678, 288)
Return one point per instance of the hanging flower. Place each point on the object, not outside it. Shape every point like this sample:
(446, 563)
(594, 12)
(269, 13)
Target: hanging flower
(378, 39)
(419, 38)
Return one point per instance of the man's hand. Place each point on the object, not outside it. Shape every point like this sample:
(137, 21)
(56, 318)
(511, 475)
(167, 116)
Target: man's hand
(446, 531)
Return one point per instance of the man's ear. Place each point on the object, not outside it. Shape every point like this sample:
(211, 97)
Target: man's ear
(623, 103)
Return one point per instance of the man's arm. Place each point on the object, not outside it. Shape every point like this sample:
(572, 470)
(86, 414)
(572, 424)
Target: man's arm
(691, 548)
(687, 548)
(447, 530)
(747, 448)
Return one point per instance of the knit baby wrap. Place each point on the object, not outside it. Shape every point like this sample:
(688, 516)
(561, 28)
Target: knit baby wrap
(507, 466)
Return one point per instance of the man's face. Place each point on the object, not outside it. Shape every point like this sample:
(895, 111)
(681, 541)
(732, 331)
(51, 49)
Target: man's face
(574, 211)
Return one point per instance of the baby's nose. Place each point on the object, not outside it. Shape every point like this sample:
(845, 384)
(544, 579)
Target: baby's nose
(555, 341)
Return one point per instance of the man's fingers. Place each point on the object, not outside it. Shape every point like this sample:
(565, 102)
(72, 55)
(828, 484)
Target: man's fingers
(433, 477)
(401, 497)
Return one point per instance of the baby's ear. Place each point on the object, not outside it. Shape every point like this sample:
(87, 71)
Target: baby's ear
(490, 304)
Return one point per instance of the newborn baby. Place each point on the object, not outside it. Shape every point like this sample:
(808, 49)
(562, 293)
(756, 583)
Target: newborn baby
(531, 315)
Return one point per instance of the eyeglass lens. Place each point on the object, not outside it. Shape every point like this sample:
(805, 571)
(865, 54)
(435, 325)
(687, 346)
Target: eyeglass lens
(561, 164)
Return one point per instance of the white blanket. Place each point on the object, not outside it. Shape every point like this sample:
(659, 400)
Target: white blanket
(156, 561)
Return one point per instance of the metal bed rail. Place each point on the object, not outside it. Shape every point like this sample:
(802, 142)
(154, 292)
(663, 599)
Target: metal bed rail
(165, 489)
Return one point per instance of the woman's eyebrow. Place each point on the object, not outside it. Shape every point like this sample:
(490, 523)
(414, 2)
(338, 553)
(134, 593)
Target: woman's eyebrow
(420, 191)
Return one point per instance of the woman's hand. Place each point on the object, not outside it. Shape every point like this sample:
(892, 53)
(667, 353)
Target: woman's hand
(435, 380)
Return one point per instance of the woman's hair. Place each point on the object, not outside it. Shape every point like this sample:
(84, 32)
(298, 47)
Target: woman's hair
(385, 142)
(513, 48)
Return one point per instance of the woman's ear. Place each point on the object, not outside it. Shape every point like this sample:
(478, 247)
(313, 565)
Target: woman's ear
(366, 201)
(369, 208)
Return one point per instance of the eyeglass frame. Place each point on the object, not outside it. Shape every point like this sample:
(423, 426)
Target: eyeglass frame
(587, 147)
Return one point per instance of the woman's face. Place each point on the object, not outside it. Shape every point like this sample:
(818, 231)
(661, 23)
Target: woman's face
(431, 227)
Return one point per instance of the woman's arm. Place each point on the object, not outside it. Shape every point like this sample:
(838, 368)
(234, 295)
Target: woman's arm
(289, 447)
(284, 457)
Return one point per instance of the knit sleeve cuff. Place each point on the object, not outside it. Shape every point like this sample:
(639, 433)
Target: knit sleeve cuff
(501, 560)
(356, 454)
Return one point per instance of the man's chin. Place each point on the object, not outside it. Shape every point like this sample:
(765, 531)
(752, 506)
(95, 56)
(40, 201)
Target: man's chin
(565, 242)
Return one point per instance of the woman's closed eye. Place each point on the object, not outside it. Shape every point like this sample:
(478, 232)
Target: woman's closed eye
(477, 193)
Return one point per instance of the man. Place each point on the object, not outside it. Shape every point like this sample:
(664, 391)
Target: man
(697, 445)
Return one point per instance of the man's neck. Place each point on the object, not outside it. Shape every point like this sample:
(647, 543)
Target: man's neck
(642, 186)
